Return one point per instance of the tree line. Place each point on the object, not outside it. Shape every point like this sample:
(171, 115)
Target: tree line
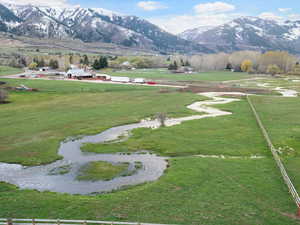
(270, 62)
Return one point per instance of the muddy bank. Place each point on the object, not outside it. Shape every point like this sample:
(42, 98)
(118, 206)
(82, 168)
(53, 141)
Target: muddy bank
(223, 88)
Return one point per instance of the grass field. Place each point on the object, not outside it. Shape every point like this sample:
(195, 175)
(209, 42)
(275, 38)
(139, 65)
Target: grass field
(211, 136)
(165, 75)
(5, 70)
(193, 190)
(287, 82)
(34, 123)
(283, 125)
(99, 170)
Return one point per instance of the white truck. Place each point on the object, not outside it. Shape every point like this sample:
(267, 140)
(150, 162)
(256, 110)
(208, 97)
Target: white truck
(139, 80)
(120, 79)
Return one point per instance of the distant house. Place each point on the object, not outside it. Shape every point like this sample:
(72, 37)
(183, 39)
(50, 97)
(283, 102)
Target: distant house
(184, 69)
(126, 65)
(79, 74)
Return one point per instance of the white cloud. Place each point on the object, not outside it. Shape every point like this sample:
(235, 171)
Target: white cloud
(180, 23)
(151, 5)
(57, 3)
(214, 7)
(206, 15)
(293, 17)
(270, 16)
(283, 10)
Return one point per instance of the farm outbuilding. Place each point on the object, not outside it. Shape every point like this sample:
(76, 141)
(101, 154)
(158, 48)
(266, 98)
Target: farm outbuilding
(104, 77)
(184, 69)
(79, 74)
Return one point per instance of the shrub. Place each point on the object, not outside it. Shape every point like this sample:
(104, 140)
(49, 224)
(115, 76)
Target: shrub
(246, 66)
(3, 96)
(33, 66)
(273, 69)
(161, 117)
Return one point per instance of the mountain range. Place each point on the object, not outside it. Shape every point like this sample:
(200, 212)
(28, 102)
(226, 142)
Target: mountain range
(91, 25)
(249, 33)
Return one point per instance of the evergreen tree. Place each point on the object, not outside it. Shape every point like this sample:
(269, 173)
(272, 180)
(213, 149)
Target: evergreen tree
(182, 62)
(86, 60)
(96, 65)
(53, 64)
(228, 66)
(187, 63)
(171, 66)
(175, 65)
(71, 59)
(103, 62)
(22, 62)
(41, 63)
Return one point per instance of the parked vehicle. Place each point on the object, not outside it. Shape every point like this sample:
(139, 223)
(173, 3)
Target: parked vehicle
(151, 83)
(120, 79)
(138, 80)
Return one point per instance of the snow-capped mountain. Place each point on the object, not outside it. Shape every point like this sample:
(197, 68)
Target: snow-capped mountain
(190, 34)
(90, 25)
(249, 33)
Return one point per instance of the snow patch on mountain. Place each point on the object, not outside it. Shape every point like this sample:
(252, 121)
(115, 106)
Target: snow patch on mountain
(250, 33)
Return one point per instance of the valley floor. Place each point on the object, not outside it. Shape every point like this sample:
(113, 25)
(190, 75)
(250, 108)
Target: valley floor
(234, 189)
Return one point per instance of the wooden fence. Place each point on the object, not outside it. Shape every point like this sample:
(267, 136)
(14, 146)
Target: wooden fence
(65, 222)
(279, 163)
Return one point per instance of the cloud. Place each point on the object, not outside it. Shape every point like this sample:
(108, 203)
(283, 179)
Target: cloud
(151, 5)
(270, 16)
(57, 3)
(293, 17)
(180, 23)
(206, 15)
(279, 18)
(283, 10)
(214, 7)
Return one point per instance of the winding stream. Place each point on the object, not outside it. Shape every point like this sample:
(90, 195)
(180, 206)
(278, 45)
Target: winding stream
(39, 178)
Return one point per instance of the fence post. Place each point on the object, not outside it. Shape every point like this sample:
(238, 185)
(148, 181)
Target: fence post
(9, 222)
(33, 222)
(58, 222)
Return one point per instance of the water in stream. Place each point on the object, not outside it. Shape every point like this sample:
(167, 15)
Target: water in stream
(39, 178)
(42, 178)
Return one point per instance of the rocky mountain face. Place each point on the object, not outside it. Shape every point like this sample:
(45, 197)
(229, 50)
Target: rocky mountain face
(249, 33)
(91, 25)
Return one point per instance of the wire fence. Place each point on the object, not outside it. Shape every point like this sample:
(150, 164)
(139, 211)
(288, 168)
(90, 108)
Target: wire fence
(274, 151)
(65, 222)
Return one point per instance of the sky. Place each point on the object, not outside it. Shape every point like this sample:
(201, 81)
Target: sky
(176, 16)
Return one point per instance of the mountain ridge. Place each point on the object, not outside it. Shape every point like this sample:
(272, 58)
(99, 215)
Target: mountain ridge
(92, 25)
(249, 33)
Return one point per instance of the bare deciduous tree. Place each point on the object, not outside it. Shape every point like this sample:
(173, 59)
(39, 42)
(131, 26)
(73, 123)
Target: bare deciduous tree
(161, 117)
